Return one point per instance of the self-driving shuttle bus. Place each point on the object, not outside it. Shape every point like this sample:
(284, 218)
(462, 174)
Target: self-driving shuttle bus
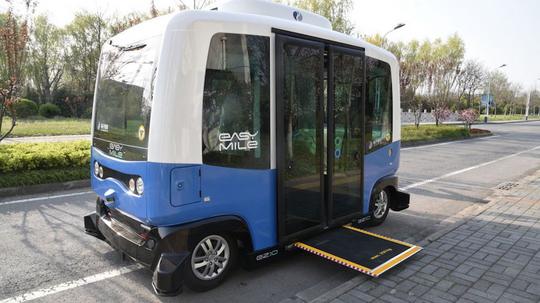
(237, 132)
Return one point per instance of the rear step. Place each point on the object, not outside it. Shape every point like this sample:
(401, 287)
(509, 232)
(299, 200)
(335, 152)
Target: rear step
(360, 250)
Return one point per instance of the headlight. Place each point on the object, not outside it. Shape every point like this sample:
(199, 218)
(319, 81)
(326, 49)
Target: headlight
(140, 186)
(96, 168)
(132, 185)
(100, 171)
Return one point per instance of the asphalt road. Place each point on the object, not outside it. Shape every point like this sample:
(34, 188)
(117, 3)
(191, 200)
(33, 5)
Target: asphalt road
(46, 255)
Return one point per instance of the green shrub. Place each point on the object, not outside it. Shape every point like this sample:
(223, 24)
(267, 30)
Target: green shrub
(22, 157)
(25, 108)
(87, 114)
(43, 176)
(49, 110)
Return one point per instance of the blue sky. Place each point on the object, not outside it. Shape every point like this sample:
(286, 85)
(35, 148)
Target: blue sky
(494, 31)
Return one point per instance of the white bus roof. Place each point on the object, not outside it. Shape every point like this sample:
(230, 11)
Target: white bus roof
(259, 12)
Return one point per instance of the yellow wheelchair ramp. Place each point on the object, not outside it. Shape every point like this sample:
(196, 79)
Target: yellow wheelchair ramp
(360, 250)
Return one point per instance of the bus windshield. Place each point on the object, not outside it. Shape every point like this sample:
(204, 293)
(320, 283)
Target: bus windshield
(124, 98)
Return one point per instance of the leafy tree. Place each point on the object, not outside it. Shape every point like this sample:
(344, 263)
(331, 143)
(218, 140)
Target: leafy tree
(46, 58)
(13, 39)
(443, 63)
(337, 11)
(86, 34)
(469, 81)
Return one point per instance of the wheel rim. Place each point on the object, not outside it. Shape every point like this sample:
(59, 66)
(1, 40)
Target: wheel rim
(381, 204)
(210, 257)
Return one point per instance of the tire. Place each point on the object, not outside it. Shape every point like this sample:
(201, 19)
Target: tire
(209, 274)
(379, 206)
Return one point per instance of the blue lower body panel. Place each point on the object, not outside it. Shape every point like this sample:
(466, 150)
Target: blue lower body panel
(176, 194)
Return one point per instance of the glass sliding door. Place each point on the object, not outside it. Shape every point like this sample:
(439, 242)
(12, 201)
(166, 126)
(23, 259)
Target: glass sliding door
(345, 154)
(299, 87)
(319, 135)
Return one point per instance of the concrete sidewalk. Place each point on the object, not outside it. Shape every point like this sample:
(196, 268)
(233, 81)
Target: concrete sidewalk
(492, 257)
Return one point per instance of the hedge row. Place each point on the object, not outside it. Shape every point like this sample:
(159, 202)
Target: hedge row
(43, 176)
(24, 157)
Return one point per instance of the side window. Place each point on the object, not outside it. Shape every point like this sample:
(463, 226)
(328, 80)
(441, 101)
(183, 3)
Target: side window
(378, 104)
(236, 102)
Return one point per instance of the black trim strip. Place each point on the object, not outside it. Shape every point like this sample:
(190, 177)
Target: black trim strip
(317, 39)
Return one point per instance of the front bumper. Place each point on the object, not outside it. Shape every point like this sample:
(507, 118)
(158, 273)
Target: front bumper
(159, 249)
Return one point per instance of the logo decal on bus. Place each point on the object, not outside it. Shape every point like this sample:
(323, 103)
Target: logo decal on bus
(238, 141)
(116, 150)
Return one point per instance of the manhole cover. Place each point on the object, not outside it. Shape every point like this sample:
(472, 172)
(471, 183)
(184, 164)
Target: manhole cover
(506, 185)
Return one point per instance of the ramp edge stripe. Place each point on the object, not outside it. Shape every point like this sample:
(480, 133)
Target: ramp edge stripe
(336, 259)
(396, 260)
(378, 236)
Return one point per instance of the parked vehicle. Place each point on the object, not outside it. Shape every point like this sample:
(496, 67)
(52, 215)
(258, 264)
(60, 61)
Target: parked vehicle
(234, 132)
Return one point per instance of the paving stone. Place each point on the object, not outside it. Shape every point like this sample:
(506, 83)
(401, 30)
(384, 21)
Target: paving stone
(482, 285)
(406, 286)
(379, 291)
(435, 295)
(475, 298)
(444, 285)
(349, 298)
(494, 257)
(458, 289)
(392, 299)
(428, 269)
(440, 273)
(534, 289)
(520, 284)
(362, 295)
(496, 289)
(418, 290)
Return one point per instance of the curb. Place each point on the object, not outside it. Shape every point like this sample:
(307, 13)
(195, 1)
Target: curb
(457, 219)
(475, 123)
(436, 141)
(505, 122)
(42, 188)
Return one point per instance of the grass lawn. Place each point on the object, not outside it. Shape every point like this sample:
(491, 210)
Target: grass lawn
(48, 127)
(410, 134)
(507, 117)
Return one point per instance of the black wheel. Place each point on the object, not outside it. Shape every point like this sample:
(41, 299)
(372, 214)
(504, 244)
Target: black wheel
(379, 206)
(211, 259)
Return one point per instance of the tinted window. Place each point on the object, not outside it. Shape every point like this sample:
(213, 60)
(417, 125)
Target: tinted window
(236, 102)
(124, 98)
(378, 104)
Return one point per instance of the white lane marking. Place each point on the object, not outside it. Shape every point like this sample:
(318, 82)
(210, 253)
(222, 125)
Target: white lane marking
(457, 172)
(71, 284)
(45, 198)
(446, 143)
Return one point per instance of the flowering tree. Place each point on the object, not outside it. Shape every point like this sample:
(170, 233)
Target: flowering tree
(468, 116)
(441, 114)
(13, 40)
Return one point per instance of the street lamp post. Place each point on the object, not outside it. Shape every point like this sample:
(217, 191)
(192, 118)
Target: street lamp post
(399, 25)
(489, 90)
